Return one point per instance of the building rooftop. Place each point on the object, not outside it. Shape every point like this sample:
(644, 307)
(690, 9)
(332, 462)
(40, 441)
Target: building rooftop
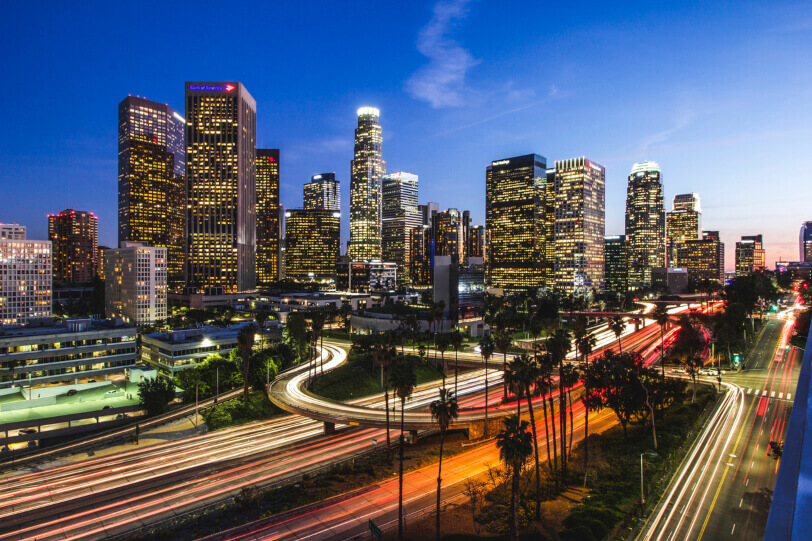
(47, 326)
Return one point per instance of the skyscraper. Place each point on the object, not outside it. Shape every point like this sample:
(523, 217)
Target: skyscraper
(616, 263)
(399, 216)
(750, 255)
(449, 230)
(151, 180)
(367, 170)
(74, 236)
(645, 222)
(805, 243)
(478, 242)
(25, 276)
(267, 215)
(323, 192)
(580, 187)
(135, 283)
(515, 216)
(704, 259)
(682, 224)
(312, 243)
(221, 172)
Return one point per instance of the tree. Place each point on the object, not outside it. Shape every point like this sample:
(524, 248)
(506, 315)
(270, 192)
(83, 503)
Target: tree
(585, 343)
(614, 382)
(688, 347)
(523, 373)
(383, 354)
(456, 341)
(245, 342)
(296, 335)
(443, 410)
(661, 317)
(515, 446)
(544, 386)
(155, 394)
(559, 345)
(486, 348)
(442, 343)
(503, 341)
(403, 379)
(317, 321)
(616, 325)
(569, 377)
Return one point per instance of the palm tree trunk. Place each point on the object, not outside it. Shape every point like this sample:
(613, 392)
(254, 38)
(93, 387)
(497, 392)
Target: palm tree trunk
(400, 473)
(547, 437)
(439, 480)
(514, 504)
(486, 396)
(562, 416)
(555, 442)
(504, 379)
(536, 452)
(386, 399)
(662, 352)
(572, 424)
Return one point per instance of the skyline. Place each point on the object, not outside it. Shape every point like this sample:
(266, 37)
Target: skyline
(712, 94)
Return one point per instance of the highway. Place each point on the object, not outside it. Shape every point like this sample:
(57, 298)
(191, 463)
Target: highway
(723, 488)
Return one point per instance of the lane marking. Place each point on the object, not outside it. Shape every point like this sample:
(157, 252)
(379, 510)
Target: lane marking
(740, 502)
(780, 396)
(772, 395)
(749, 391)
(764, 393)
(789, 395)
(732, 530)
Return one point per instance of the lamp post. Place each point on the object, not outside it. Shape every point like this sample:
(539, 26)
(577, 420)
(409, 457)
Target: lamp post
(642, 495)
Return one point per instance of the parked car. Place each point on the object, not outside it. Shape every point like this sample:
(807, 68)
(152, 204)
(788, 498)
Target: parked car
(114, 391)
(23, 431)
(72, 392)
(107, 407)
(91, 381)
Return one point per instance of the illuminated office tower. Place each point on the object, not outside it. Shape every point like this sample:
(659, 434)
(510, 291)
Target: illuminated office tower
(478, 242)
(805, 243)
(682, 224)
(400, 215)
(422, 256)
(580, 188)
(515, 216)
(645, 222)
(281, 221)
(100, 261)
(750, 255)
(704, 259)
(323, 192)
(25, 276)
(449, 231)
(74, 236)
(267, 254)
(312, 244)
(367, 171)
(221, 179)
(616, 263)
(151, 180)
(135, 287)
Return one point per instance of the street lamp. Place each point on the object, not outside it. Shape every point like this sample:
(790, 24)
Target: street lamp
(642, 495)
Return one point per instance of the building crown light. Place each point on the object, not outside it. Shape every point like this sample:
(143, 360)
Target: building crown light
(641, 167)
(369, 111)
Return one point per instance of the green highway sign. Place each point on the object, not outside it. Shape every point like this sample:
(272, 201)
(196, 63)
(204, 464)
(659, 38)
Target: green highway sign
(375, 530)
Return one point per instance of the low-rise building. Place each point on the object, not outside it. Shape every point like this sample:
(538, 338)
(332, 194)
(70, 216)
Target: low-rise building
(46, 352)
(366, 276)
(675, 280)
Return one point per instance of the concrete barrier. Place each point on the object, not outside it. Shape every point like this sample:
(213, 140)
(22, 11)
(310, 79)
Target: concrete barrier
(62, 390)
(24, 404)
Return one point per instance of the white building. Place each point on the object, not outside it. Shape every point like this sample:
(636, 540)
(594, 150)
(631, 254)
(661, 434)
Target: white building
(135, 283)
(26, 276)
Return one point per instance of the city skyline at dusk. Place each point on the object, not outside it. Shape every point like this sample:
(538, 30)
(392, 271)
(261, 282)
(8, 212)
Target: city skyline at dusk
(715, 95)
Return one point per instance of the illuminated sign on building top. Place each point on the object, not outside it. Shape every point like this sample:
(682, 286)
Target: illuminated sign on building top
(500, 162)
(226, 88)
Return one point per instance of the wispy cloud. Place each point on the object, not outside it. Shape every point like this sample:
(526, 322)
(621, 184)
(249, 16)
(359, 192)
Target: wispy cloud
(441, 82)
(662, 136)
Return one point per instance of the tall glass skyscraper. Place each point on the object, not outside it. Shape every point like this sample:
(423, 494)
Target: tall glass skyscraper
(221, 171)
(580, 208)
(682, 224)
(366, 172)
(151, 180)
(399, 216)
(74, 235)
(645, 222)
(516, 216)
(805, 243)
(750, 255)
(616, 262)
(323, 192)
(267, 215)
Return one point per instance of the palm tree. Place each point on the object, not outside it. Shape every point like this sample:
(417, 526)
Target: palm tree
(245, 341)
(544, 386)
(443, 410)
(456, 341)
(569, 377)
(486, 348)
(503, 341)
(515, 376)
(403, 380)
(515, 446)
(616, 325)
(441, 343)
(317, 321)
(559, 345)
(661, 316)
(585, 345)
(528, 377)
(382, 355)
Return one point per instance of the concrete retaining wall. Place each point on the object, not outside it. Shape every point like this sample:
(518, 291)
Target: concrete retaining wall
(23, 404)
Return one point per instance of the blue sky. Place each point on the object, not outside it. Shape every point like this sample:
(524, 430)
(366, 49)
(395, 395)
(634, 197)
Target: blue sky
(717, 92)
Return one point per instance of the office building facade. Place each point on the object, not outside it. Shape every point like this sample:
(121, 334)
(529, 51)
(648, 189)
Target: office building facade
(515, 213)
(750, 256)
(323, 192)
(135, 286)
(704, 259)
(478, 242)
(366, 172)
(268, 236)
(580, 208)
(616, 264)
(74, 237)
(645, 222)
(221, 180)
(450, 232)
(682, 224)
(805, 243)
(152, 180)
(400, 215)
(312, 244)
(26, 281)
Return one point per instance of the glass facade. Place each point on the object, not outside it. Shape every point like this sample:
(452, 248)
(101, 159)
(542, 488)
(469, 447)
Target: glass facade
(517, 219)
(312, 244)
(682, 224)
(221, 199)
(267, 215)
(616, 262)
(152, 181)
(704, 259)
(750, 255)
(323, 192)
(645, 222)
(25, 278)
(366, 172)
(805, 243)
(74, 237)
(580, 188)
(478, 242)
(400, 215)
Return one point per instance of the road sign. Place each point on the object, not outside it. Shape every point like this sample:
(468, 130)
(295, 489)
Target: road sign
(375, 530)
